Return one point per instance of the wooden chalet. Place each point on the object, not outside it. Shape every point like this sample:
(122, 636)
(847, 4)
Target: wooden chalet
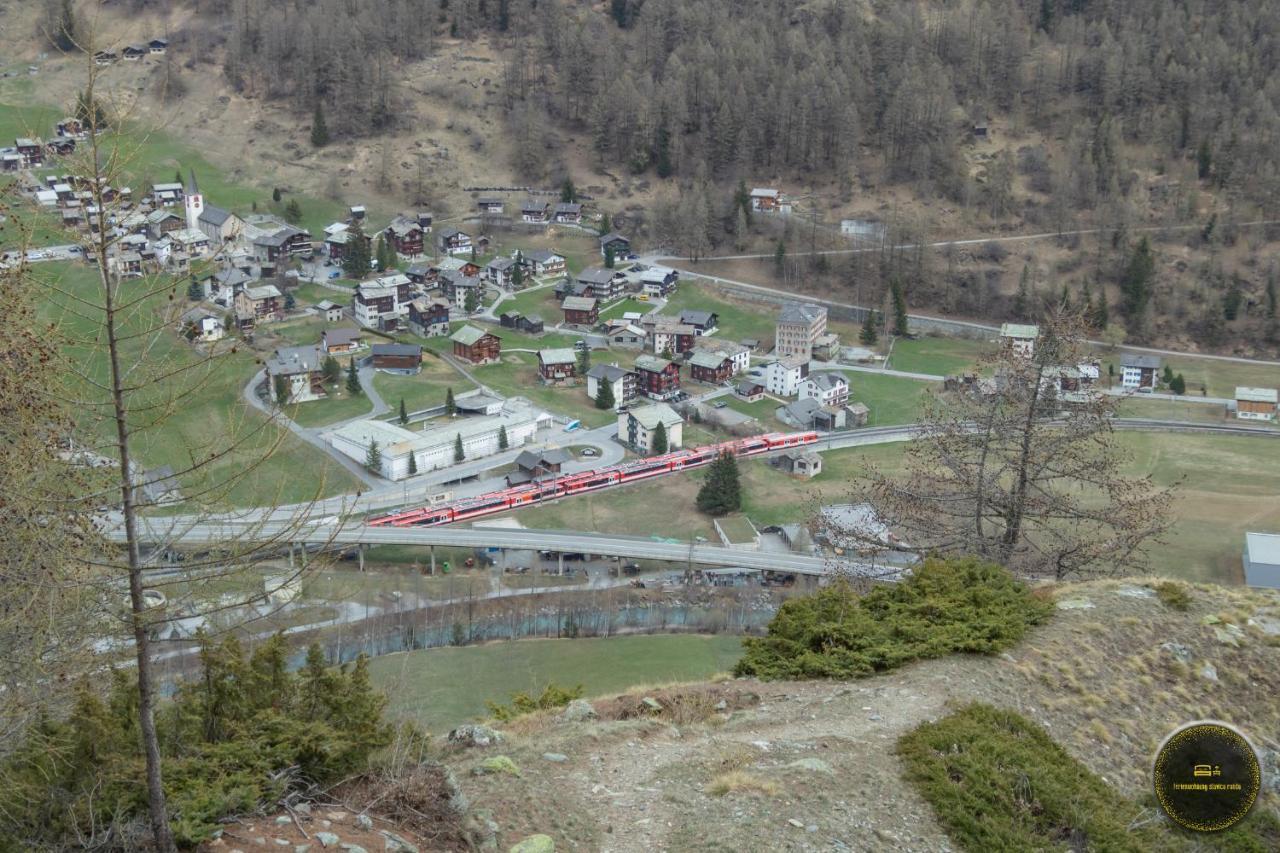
(476, 345)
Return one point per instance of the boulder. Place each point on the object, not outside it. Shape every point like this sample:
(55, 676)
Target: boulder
(813, 765)
(1228, 634)
(1209, 672)
(393, 843)
(1179, 651)
(577, 711)
(283, 820)
(353, 848)
(651, 704)
(496, 764)
(1268, 625)
(555, 757)
(475, 735)
(364, 821)
(1075, 604)
(534, 844)
(327, 839)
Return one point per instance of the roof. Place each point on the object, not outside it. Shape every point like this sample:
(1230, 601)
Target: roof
(396, 440)
(1019, 330)
(1147, 362)
(157, 482)
(612, 236)
(750, 386)
(801, 312)
(449, 231)
(280, 236)
(607, 372)
(1263, 548)
(595, 275)
(628, 329)
(652, 363)
(341, 336)
(696, 318)
(562, 355)
(651, 415)
(720, 345)
(262, 291)
(500, 264)
(546, 457)
(802, 410)
(215, 215)
(468, 335)
(789, 362)
(542, 256)
(579, 303)
(702, 358)
(325, 305)
(829, 381)
(1257, 395)
(568, 207)
(488, 199)
(766, 192)
(289, 360)
(396, 350)
(533, 204)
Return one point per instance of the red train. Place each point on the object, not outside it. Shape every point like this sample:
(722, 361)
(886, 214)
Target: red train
(588, 481)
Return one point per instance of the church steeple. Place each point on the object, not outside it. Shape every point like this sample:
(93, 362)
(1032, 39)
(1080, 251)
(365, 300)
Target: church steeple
(194, 203)
(192, 187)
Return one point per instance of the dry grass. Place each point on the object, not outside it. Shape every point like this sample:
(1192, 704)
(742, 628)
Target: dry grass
(741, 782)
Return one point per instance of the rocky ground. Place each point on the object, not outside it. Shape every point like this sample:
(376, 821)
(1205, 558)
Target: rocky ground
(742, 765)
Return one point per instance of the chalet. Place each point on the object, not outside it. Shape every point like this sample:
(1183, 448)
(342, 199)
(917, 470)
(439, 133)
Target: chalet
(1019, 338)
(382, 303)
(126, 264)
(567, 212)
(30, 150)
(981, 130)
(556, 366)
(458, 265)
(668, 334)
(567, 288)
(424, 219)
(498, 272)
(396, 358)
(534, 211)
(301, 369)
(826, 347)
(738, 355)
(615, 245)
(199, 325)
(341, 341)
(490, 205)
(657, 378)
(1256, 404)
(219, 225)
(1139, 372)
(405, 235)
(703, 322)
(1262, 560)
(457, 287)
(47, 198)
(134, 52)
(158, 47)
(259, 304)
(783, 376)
(542, 262)
(749, 390)
(637, 427)
(709, 367)
(357, 213)
(105, 57)
(429, 318)
(605, 284)
(167, 195)
(330, 311)
(337, 242)
(531, 324)
(286, 242)
(162, 222)
(61, 147)
(476, 345)
(659, 281)
(194, 243)
(421, 273)
(10, 161)
(159, 486)
(829, 389)
(768, 200)
(621, 380)
(453, 241)
(581, 311)
(627, 336)
(808, 413)
(531, 464)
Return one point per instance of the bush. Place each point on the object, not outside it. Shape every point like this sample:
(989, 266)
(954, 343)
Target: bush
(997, 782)
(237, 738)
(1173, 595)
(552, 696)
(947, 606)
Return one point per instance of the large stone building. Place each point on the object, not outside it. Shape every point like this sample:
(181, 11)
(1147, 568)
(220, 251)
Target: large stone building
(799, 327)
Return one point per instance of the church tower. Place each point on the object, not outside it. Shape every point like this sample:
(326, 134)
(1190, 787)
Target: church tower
(194, 203)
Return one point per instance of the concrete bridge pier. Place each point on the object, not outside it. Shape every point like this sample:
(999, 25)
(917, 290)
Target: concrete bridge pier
(360, 556)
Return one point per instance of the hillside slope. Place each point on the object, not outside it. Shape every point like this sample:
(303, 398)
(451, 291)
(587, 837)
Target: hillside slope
(1108, 677)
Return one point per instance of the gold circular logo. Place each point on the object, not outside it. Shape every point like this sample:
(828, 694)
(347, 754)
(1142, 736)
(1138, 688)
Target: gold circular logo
(1206, 776)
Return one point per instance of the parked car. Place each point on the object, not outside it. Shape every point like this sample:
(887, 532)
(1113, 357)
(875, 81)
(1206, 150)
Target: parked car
(589, 451)
(335, 273)
(720, 404)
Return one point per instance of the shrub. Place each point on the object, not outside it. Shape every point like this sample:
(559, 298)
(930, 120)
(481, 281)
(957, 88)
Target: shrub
(1173, 595)
(552, 696)
(947, 606)
(740, 780)
(238, 737)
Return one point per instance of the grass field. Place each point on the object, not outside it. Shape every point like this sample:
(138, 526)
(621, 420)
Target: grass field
(444, 687)
(624, 307)
(427, 388)
(736, 320)
(517, 375)
(936, 356)
(211, 417)
(338, 406)
(541, 301)
(1147, 407)
(1216, 378)
(891, 399)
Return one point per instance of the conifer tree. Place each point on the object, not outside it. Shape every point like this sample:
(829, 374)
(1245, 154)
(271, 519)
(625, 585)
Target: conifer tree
(404, 414)
(869, 334)
(330, 370)
(604, 395)
(353, 379)
(194, 291)
(458, 453)
(355, 258)
(503, 441)
(280, 386)
(413, 463)
(319, 130)
(450, 407)
(900, 324)
(373, 457)
(660, 439)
